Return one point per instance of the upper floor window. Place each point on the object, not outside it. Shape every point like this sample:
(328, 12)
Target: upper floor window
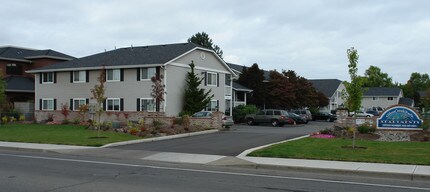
(13, 69)
(113, 75)
(147, 73)
(228, 79)
(375, 98)
(79, 76)
(390, 98)
(212, 106)
(212, 79)
(48, 77)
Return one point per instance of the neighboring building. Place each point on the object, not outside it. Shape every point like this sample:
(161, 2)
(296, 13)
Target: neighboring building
(14, 61)
(128, 74)
(240, 92)
(382, 97)
(332, 89)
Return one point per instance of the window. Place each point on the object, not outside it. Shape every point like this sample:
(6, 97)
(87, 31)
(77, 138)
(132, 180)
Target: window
(48, 104)
(77, 102)
(113, 104)
(228, 79)
(213, 106)
(79, 76)
(212, 79)
(147, 104)
(390, 98)
(113, 75)
(13, 69)
(147, 73)
(375, 98)
(48, 77)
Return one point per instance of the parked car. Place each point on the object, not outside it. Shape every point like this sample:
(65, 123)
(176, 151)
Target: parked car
(362, 114)
(304, 113)
(227, 121)
(297, 118)
(324, 116)
(374, 113)
(273, 116)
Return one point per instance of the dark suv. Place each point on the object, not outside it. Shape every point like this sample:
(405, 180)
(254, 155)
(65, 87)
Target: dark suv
(273, 116)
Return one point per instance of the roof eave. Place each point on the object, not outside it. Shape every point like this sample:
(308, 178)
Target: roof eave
(93, 68)
(19, 91)
(49, 57)
(12, 59)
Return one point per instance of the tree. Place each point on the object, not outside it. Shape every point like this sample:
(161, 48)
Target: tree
(204, 40)
(253, 78)
(99, 95)
(280, 92)
(354, 92)
(417, 82)
(195, 98)
(2, 90)
(374, 77)
(157, 91)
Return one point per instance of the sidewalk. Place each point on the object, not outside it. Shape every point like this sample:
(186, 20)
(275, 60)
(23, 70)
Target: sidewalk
(387, 170)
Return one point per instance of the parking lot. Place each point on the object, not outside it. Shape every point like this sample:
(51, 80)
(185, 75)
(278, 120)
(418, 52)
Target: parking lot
(230, 143)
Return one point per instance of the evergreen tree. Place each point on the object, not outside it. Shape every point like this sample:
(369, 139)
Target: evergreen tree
(195, 98)
(204, 40)
(253, 78)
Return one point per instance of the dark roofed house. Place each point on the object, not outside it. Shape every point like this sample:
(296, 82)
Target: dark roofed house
(128, 80)
(332, 89)
(14, 61)
(382, 97)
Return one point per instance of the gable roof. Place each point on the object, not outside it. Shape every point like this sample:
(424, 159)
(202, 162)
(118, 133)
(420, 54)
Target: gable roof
(381, 91)
(27, 54)
(19, 84)
(239, 87)
(326, 86)
(406, 101)
(128, 57)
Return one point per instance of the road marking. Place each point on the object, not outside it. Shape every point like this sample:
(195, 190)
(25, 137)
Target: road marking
(216, 172)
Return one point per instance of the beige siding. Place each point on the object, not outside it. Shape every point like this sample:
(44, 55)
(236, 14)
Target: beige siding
(383, 102)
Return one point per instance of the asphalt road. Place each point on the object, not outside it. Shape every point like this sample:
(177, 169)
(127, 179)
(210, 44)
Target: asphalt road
(25, 171)
(230, 143)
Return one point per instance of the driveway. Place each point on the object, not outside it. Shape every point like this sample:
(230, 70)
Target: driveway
(229, 143)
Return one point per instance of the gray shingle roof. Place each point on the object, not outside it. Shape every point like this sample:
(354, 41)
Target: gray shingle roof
(156, 54)
(381, 91)
(240, 87)
(326, 86)
(19, 84)
(26, 54)
(406, 101)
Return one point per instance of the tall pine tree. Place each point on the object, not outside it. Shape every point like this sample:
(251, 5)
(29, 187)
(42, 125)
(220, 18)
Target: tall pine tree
(195, 98)
(204, 40)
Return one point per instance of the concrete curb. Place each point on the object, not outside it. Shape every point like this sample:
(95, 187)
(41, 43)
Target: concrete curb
(248, 151)
(159, 138)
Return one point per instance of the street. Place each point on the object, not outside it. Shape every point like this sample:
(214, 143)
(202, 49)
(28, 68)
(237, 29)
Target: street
(31, 171)
(230, 143)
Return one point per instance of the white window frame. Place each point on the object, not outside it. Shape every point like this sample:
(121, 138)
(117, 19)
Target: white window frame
(82, 74)
(46, 100)
(45, 74)
(390, 98)
(113, 104)
(146, 99)
(375, 98)
(213, 79)
(148, 70)
(212, 108)
(114, 71)
(76, 108)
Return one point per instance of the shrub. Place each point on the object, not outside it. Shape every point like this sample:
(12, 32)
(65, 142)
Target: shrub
(157, 123)
(65, 110)
(21, 118)
(76, 121)
(366, 128)
(327, 131)
(239, 112)
(50, 117)
(65, 122)
(177, 121)
(4, 120)
(133, 131)
(186, 122)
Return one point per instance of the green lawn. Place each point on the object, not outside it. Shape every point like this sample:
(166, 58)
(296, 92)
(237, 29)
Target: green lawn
(330, 149)
(59, 134)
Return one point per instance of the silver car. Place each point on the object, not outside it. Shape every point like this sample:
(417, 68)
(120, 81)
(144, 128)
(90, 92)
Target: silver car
(227, 121)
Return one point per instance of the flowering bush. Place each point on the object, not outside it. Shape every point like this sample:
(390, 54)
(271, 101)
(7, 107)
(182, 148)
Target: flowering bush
(323, 136)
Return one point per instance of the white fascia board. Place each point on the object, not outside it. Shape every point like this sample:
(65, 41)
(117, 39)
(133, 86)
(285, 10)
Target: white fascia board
(208, 50)
(12, 59)
(95, 68)
(49, 57)
(199, 68)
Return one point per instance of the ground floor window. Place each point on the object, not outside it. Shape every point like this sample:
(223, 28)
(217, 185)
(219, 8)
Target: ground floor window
(213, 106)
(48, 104)
(147, 104)
(77, 102)
(113, 104)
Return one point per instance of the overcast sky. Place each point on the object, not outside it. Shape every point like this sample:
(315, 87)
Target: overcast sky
(308, 36)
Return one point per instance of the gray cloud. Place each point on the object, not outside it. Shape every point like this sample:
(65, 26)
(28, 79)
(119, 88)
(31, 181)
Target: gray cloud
(309, 37)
